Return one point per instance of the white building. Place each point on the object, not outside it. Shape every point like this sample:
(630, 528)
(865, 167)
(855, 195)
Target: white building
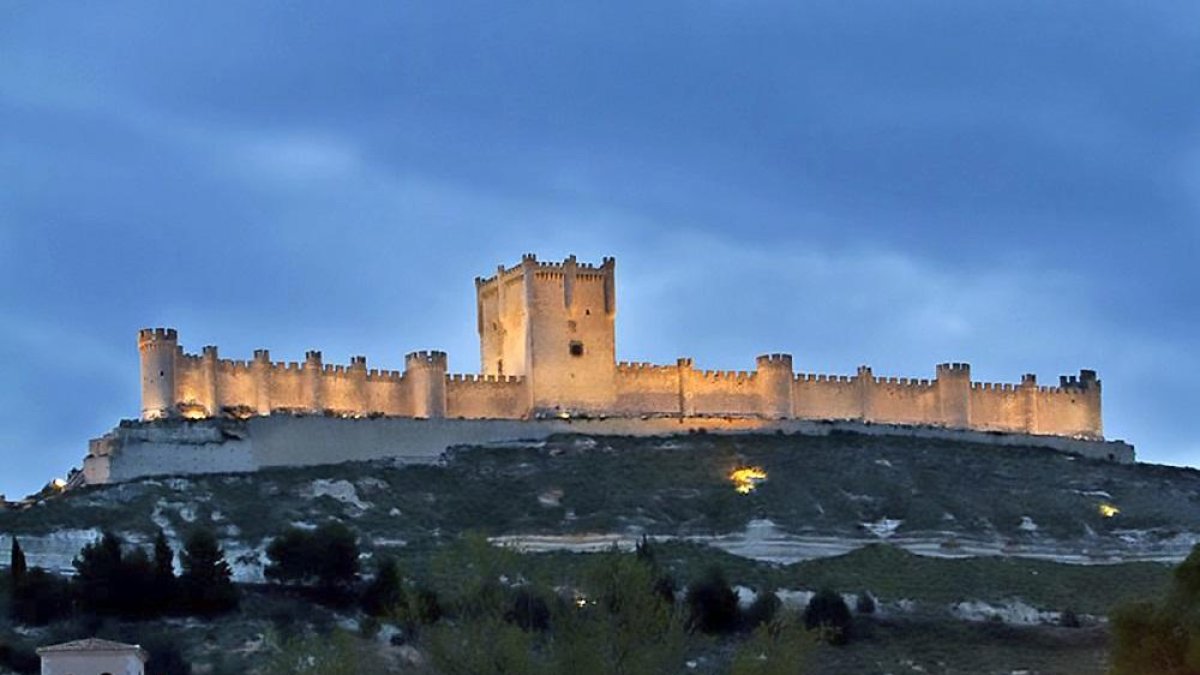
(93, 657)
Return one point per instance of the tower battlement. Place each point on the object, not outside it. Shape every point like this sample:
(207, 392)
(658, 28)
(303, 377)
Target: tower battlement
(547, 344)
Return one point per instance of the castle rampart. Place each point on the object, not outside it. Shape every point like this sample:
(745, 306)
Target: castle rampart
(547, 348)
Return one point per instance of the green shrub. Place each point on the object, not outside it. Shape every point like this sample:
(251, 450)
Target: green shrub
(712, 604)
(828, 614)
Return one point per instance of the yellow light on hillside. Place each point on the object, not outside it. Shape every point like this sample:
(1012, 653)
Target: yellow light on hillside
(747, 478)
(1108, 510)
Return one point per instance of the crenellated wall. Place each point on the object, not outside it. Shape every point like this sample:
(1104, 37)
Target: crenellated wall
(485, 397)
(547, 348)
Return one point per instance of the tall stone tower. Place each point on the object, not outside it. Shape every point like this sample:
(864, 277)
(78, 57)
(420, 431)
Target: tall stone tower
(553, 324)
(157, 348)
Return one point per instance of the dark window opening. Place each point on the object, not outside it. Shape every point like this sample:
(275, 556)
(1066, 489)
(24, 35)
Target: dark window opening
(576, 348)
(161, 374)
(588, 312)
(499, 366)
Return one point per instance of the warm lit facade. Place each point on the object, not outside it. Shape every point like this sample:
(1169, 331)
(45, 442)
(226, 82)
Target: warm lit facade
(547, 347)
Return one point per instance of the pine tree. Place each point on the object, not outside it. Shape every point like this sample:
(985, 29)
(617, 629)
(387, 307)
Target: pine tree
(385, 596)
(17, 565)
(207, 581)
(98, 571)
(163, 584)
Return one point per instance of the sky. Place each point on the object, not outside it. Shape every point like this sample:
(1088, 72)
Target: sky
(1015, 185)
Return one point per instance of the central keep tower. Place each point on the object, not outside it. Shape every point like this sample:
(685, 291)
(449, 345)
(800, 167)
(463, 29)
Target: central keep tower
(554, 325)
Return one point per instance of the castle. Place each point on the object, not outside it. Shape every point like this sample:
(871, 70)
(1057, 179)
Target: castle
(548, 350)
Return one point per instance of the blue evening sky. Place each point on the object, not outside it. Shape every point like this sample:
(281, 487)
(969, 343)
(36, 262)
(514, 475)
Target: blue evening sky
(1012, 184)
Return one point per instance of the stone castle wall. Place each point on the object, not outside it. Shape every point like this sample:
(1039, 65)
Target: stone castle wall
(180, 447)
(547, 348)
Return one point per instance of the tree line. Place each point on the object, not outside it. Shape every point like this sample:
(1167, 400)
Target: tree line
(113, 579)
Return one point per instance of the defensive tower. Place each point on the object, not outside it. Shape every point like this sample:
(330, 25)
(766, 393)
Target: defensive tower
(553, 324)
(157, 348)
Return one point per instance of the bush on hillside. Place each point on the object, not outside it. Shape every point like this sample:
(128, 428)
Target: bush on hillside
(762, 611)
(40, 598)
(827, 612)
(865, 603)
(206, 584)
(1161, 637)
(712, 604)
(326, 558)
(385, 597)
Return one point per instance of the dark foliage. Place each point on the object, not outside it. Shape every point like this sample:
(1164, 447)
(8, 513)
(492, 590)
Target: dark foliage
(40, 598)
(206, 584)
(16, 564)
(426, 609)
(865, 603)
(763, 610)
(163, 583)
(99, 577)
(166, 658)
(385, 596)
(327, 557)
(19, 658)
(712, 604)
(828, 613)
(528, 610)
(1161, 637)
(1069, 619)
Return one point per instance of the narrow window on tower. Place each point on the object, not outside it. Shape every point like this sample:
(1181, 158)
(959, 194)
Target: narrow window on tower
(576, 348)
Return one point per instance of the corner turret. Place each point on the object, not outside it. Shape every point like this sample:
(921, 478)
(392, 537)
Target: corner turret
(157, 348)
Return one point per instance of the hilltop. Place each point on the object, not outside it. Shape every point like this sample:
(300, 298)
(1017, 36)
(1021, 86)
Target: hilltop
(933, 528)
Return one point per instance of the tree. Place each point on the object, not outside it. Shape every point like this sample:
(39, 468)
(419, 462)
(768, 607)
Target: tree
(16, 565)
(41, 598)
(337, 654)
(163, 580)
(1161, 637)
(207, 581)
(865, 603)
(326, 557)
(384, 597)
(623, 625)
(98, 575)
(777, 647)
(762, 611)
(712, 604)
(827, 612)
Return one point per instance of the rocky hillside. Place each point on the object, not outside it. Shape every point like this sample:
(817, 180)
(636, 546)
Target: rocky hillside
(821, 496)
(948, 536)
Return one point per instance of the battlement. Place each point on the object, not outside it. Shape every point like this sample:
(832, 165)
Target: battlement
(996, 386)
(548, 270)
(774, 361)
(471, 378)
(425, 359)
(726, 375)
(903, 382)
(1086, 379)
(377, 375)
(148, 336)
(954, 368)
(645, 367)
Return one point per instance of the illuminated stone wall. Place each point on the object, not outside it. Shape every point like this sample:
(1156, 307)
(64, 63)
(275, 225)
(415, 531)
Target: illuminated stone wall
(547, 347)
(552, 323)
(135, 450)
